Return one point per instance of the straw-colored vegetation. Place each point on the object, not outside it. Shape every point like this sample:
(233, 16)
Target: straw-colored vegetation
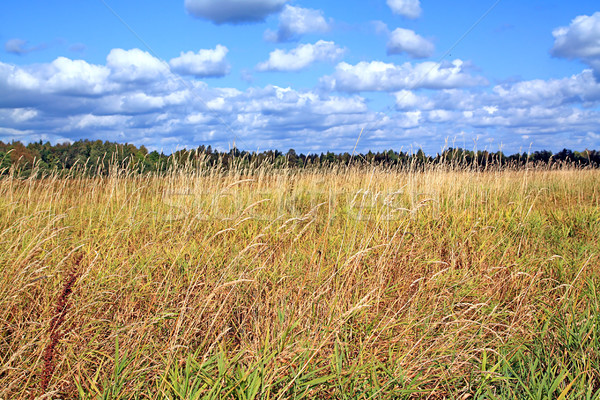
(339, 283)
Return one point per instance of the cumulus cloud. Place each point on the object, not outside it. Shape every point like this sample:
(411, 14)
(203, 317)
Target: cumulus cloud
(581, 88)
(381, 76)
(44, 98)
(580, 40)
(233, 11)
(72, 99)
(135, 65)
(98, 121)
(13, 78)
(297, 21)
(407, 8)
(15, 134)
(23, 114)
(301, 57)
(407, 41)
(19, 46)
(76, 77)
(551, 113)
(203, 64)
(132, 69)
(408, 100)
(277, 100)
(509, 102)
(132, 103)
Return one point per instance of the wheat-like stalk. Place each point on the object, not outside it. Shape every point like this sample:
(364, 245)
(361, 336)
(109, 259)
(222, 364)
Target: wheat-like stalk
(61, 309)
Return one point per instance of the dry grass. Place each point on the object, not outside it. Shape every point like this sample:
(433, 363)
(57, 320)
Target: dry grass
(358, 282)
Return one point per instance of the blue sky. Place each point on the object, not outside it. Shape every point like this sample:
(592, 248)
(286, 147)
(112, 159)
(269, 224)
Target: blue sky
(303, 74)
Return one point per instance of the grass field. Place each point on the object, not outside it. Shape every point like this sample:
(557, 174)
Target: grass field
(358, 283)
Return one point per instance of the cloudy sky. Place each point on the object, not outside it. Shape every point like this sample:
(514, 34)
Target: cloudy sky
(303, 74)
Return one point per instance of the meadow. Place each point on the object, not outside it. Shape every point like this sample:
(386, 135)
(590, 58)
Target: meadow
(365, 282)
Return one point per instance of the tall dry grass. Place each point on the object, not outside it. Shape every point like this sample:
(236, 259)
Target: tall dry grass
(363, 282)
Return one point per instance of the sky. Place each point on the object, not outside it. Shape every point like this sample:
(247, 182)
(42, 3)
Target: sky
(314, 76)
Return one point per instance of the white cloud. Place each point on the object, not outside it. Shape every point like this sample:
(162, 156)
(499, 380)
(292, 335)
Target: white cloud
(580, 88)
(406, 41)
(76, 77)
(135, 65)
(233, 11)
(98, 121)
(342, 105)
(72, 99)
(15, 134)
(132, 103)
(545, 104)
(281, 101)
(408, 100)
(440, 116)
(197, 118)
(159, 114)
(580, 40)
(301, 57)
(380, 76)
(23, 114)
(491, 109)
(203, 64)
(407, 8)
(13, 78)
(410, 119)
(296, 21)
(218, 104)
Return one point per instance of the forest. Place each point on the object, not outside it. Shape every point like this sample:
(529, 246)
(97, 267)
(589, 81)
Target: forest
(96, 157)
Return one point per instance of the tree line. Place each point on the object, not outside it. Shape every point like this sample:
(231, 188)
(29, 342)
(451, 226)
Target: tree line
(97, 158)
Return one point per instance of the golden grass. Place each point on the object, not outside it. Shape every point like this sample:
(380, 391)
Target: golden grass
(321, 279)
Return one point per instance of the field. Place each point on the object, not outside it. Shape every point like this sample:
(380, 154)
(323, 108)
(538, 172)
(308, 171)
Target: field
(256, 283)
